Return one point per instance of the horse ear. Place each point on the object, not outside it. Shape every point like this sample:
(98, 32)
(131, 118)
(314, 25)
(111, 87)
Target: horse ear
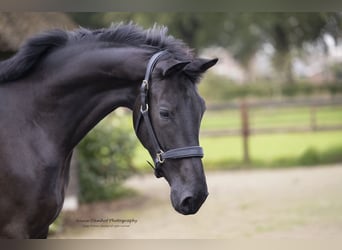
(200, 65)
(174, 67)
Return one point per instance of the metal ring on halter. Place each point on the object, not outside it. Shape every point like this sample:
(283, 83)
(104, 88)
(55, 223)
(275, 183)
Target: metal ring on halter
(144, 110)
(159, 157)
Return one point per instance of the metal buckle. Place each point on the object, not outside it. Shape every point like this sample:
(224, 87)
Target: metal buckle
(142, 110)
(144, 85)
(159, 157)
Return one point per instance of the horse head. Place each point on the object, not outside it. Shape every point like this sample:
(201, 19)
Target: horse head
(167, 118)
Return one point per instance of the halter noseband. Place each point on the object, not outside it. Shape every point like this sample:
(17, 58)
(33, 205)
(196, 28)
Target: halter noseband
(160, 155)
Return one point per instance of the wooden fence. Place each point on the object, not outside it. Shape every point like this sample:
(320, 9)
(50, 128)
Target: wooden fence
(246, 129)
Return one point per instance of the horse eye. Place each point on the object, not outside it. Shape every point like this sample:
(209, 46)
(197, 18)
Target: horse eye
(164, 114)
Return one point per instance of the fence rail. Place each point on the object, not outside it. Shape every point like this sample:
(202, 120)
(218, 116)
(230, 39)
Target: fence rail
(282, 103)
(269, 130)
(247, 128)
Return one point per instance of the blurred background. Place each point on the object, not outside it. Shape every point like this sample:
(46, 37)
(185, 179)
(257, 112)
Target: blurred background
(273, 104)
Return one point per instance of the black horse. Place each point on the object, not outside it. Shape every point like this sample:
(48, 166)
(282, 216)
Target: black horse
(60, 84)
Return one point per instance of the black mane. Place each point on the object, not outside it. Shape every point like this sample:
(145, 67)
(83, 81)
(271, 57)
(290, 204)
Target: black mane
(38, 46)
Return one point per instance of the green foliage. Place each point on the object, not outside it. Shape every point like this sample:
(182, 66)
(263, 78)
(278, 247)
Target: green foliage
(296, 89)
(219, 88)
(331, 155)
(337, 70)
(56, 226)
(105, 156)
(310, 157)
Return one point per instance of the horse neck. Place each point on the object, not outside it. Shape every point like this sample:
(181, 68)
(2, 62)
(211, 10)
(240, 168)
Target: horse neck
(84, 89)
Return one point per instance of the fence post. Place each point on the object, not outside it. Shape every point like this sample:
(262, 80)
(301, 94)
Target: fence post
(245, 130)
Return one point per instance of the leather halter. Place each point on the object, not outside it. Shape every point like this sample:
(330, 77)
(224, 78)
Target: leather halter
(160, 155)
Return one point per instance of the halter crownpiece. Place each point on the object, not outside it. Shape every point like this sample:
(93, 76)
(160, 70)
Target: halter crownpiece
(160, 155)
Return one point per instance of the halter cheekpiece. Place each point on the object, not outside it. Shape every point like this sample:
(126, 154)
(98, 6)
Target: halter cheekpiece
(160, 154)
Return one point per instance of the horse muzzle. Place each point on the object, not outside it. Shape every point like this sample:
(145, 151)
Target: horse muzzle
(188, 202)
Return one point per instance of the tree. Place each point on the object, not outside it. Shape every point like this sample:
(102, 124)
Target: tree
(243, 34)
(288, 33)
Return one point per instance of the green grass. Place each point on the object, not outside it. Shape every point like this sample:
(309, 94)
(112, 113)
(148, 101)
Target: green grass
(272, 150)
(275, 150)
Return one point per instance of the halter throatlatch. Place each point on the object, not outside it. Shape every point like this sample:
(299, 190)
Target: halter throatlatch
(160, 155)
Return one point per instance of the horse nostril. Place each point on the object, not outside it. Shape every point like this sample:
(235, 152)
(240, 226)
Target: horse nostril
(187, 205)
(186, 202)
(189, 202)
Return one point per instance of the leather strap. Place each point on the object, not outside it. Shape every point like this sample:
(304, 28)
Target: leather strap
(150, 131)
(145, 86)
(152, 63)
(186, 152)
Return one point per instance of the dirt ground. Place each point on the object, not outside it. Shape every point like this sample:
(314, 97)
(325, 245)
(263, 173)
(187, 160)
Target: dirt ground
(296, 203)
